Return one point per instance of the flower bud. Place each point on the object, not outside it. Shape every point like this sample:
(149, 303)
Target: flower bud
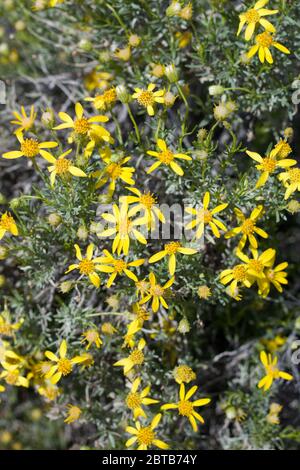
(201, 155)
(3, 252)
(230, 412)
(171, 73)
(215, 90)
(202, 134)
(47, 118)
(288, 133)
(66, 286)
(186, 12)
(54, 219)
(158, 70)
(82, 233)
(173, 9)
(85, 45)
(123, 54)
(2, 199)
(134, 40)
(293, 206)
(15, 203)
(169, 99)
(122, 94)
(184, 326)
(221, 112)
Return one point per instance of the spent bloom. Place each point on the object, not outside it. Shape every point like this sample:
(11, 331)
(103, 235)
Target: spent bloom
(73, 414)
(183, 373)
(91, 336)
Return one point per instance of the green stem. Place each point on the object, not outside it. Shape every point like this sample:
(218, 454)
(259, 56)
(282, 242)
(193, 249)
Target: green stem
(182, 95)
(134, 123)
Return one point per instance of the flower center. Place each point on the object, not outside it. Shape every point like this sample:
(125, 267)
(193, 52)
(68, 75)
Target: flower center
(251, 16)
(184, 373)
(146, 98)
(82, 126)
(74, 412)
(115, 170)
(124, 227)
(268, 164)
(172, 247)
(110, 96)
(27, 122)
(284, 149)
(147, 200)
(270, 274)
(248, 227)
(294, 176)
(145, 436)
(185, 408)
(205, 216)
(166, 157)
(30, 148)
(272, 370)
(133, 400)
(86, 266)
(120, 265)
(91, 336)
(137, 357)
(64, 366)
(62, 165)
(256, 265)
(6, 329)
(157, 291)
(239, 273)
(264, 39)
(6, 222)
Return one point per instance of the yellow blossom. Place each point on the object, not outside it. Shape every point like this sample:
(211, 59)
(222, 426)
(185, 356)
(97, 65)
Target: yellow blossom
(108, 329)
(8, 224)
(235, 276)
(167, 157)
(12, 375)
(183, 373)
(186, 407)
(123, 54)
(91, 336)
(272, 371)
(74, 413)
(62, 364)
(24, 121)
(135, 400)
(273, 415)
(204, 216)
(282, 149)
(273, 275)
(62, 167)
(156, 293)
(148, 98)
(145, 436)
(248, 228)
(113, 172)
(87, 266)
(291, 180)
(105, 101)
(146, 203)
(267, 165)
(204, 292)
(135, 358)
(115, 267)
(263, 43)
(29, 148)
(170, 250)
(255, 16)
(7, 328)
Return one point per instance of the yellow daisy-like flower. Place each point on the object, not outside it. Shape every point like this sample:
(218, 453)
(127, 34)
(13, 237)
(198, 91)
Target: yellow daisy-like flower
(7, 328)
(105, 101)
(256, 266)
(204, 216)
(87, 266)
(291, 180)
(29, 148)
(62, 167)
(170, 250)
(272, 371)
(146, 203)
(115, 267)
(145, 436)
(167, 157)
(8, 224)
(156, 293)
(83, 126)
(24, 121)
(129, 338)
(74, 413)
(135, 400)
(12, 375)
(274, 275)
(263, 43)
(248, 228)
(255, 16)
(186, 407)
(268, 165)
(135, 358)
(124, 229)
(113, 172)
(91, 336)
(282, 149)
(148, 98)
(62, 364)
(183, 373)
(235, 276)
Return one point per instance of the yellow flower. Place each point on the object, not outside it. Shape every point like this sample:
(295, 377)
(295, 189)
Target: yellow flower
(123, 54)
(146, 203)
(183, 38)
(248, 228)
(62, 364)
(263, 43)
(291, 180)
(105, 101)
(274, 275)
(108, 329)
(268, 165)
(129, 338)
(6, 327)
(183, 373)
(124, 229)
(12, 375)
(87, 266)
(170, 250)
(186, 12)
(91, 336)
(116, 267)
(140, 313)
(145, 436)
(113, 172)
(49, 391)
(166, 157)
(282, 149)
(273, 415)
(74, 413)
(235, 276)
(83, 126)
(156, 293)
(148, 98)
(135, 358)
(8, 224)
(62, 166)
(256, 266)
(158, 70)
(274, 344)
(205, 216)
(255, 16)
(29, 148)
(272, 371)
(24, 121)
(135, 399)
(96, 79)
(186, 407)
